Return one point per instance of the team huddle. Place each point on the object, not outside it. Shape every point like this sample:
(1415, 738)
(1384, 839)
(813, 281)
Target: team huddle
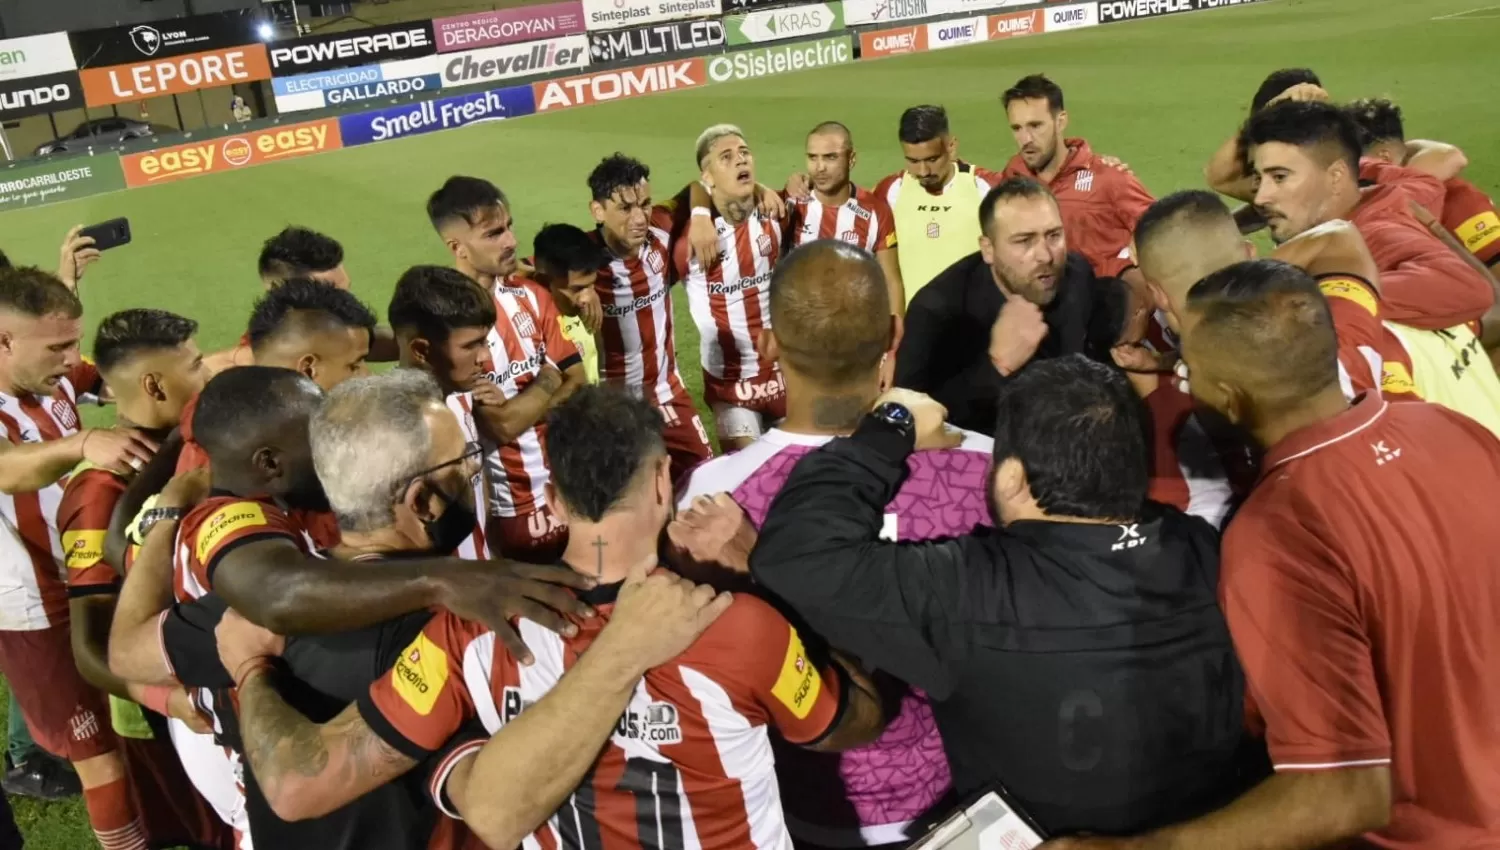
(508, 593)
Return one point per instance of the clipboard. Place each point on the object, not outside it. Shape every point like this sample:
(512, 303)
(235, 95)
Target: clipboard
(991, 822)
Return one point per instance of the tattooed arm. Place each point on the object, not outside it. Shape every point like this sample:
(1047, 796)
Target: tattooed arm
(306, 770)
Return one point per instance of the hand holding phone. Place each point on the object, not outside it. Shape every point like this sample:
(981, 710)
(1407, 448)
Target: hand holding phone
(110, 234)
(82, 246)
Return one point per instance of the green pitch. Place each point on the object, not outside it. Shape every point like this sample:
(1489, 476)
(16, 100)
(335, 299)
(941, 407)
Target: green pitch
(1160, 94)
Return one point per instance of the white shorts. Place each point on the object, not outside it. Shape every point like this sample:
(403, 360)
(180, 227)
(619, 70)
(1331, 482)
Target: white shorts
(739, 423)
(215, 772)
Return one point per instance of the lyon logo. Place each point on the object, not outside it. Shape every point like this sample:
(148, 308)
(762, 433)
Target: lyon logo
(523, 323)
(147, 39)
(65, 415)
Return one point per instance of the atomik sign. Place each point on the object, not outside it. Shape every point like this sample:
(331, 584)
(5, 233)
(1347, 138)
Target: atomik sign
(362, 47)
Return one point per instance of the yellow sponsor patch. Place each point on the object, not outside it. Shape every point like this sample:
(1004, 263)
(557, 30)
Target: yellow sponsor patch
(1480, 232)
(890, 240)
(799, 684)
(1350, 290)
(235, 516)
(1395, 379)
(420, 674)
(82, 549)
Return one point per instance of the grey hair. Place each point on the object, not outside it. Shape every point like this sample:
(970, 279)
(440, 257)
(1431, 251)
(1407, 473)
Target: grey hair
(707, 138)
(369, 439)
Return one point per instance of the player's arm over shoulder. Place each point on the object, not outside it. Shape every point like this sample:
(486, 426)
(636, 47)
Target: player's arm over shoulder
(813, 700)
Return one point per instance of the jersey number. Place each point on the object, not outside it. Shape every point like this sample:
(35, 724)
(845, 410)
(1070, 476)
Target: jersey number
(658, 808)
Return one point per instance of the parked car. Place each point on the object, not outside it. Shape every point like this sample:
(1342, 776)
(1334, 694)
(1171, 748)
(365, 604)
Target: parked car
(102, 131)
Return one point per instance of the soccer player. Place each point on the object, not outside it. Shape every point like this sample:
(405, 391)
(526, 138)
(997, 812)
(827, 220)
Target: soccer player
(533, 364)
(1307, 157)
(692, 746)
(728, 302)
(567, 262)
(41, 376)
(1468, 213)
(838, 209)
(442, 320)
(637, 340)
(934, 200)
(298, 252)
(153, 366)
(830, 327)
(1350, 585)
(1100, 204)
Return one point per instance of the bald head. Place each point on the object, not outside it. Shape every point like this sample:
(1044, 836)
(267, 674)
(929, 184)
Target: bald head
(1262, 329)
(1182, 239)
(830, 312)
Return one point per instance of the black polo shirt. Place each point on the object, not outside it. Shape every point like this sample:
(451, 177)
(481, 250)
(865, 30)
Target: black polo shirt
(945, 348)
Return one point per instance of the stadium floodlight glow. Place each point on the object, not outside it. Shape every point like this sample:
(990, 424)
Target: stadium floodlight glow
(265, 31)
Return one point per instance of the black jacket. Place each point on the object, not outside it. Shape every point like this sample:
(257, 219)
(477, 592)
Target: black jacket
(1086, 668)
(945, 347)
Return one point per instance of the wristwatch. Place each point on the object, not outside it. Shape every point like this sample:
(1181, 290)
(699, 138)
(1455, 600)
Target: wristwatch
(897, 416)
(150, 518)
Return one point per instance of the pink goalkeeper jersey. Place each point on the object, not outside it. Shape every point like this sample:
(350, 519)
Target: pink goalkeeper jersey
(895, 780)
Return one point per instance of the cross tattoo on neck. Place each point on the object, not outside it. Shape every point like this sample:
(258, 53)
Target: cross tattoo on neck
(599, 545)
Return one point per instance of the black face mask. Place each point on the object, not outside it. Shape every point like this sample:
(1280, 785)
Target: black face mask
(449, 531)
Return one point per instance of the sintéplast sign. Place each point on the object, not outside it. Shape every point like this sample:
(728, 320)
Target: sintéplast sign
(769, 61)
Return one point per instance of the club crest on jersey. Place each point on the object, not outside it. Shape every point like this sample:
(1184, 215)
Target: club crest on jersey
(850, 236)
(523, 324)
(1084, 182)
(764, 243)
(933, 231)
(66, 415)
(654, 262)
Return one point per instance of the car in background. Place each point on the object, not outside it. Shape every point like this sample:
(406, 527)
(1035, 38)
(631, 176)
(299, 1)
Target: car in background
(102, 131)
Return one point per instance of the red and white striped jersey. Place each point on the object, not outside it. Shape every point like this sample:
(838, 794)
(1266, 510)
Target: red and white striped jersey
(526, 336)
(864, 221)
(1187, 468)
(33, 575)
(640, 348)
(474, 548)
(731, 302)
(689, 764)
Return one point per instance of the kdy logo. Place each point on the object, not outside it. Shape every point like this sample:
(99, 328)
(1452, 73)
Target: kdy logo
(1130, 537)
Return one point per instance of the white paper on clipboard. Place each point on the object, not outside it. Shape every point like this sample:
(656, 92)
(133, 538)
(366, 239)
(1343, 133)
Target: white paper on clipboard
(988, 824)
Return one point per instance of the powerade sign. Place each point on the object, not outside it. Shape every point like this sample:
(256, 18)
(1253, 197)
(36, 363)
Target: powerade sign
(1112, 11)
(348, 85)
(352, 49)
(432, 115)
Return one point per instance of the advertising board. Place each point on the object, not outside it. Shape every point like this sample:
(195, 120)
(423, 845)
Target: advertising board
(508, 26)
(614, 14)
(768, 61)
(657, 41)
(428, 116)
(51, 181)
(511, 61)
(192, 159)
(132, 43)
(174, 75)
(36, 95)
(784, 23)
(352, 48)
(35, 56)
(620, 84)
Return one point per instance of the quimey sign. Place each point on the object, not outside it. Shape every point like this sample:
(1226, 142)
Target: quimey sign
(175, 75)
(785, 23)
(268, 145)
(768, 61)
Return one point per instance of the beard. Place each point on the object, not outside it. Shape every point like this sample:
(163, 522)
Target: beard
(308, 495)
(1028, 286)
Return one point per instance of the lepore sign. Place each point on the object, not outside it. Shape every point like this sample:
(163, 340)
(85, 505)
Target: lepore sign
(175, 75)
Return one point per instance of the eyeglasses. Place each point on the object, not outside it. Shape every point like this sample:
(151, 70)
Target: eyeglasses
(471, 450)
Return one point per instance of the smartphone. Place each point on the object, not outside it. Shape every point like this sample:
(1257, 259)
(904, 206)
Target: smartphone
(110, 234)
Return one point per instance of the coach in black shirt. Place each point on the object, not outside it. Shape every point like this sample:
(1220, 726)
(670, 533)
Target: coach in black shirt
(1021, 297)
(1077, 656)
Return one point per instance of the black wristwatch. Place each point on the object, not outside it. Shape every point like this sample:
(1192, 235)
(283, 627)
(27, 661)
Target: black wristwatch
(897, 416)
(155, 515)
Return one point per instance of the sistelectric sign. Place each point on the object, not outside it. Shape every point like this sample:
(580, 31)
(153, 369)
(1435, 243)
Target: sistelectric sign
(512, 61)
(349, 85)
(130, 44)
(63, 180)
(1113, 11)
(1076, 16)
(508, 26)
(768, 61)
(784, 23)
(433, 115)
(352, 48)
(615, 14)
(36, 95)
(656, 42)
(35, 56)
(620, 84)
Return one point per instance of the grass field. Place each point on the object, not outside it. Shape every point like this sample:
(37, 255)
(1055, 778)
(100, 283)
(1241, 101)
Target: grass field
(1160, 94)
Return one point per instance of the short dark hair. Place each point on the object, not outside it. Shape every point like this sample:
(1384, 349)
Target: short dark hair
(299, 252)
(1011, 187)
(833, 128)
(616, 172)
(1035, 87)
(830, 311)
(1187, 205)
(1250, 308)
(1279, 81)
(128, 333)
(434, 301)
(1306, 124)
(922, 124)
(1378, 119)
(1080, 432)
(463, 198)
(249, 404)
(598, 441)
(563, 248)
(32, 292)
(298, 301)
